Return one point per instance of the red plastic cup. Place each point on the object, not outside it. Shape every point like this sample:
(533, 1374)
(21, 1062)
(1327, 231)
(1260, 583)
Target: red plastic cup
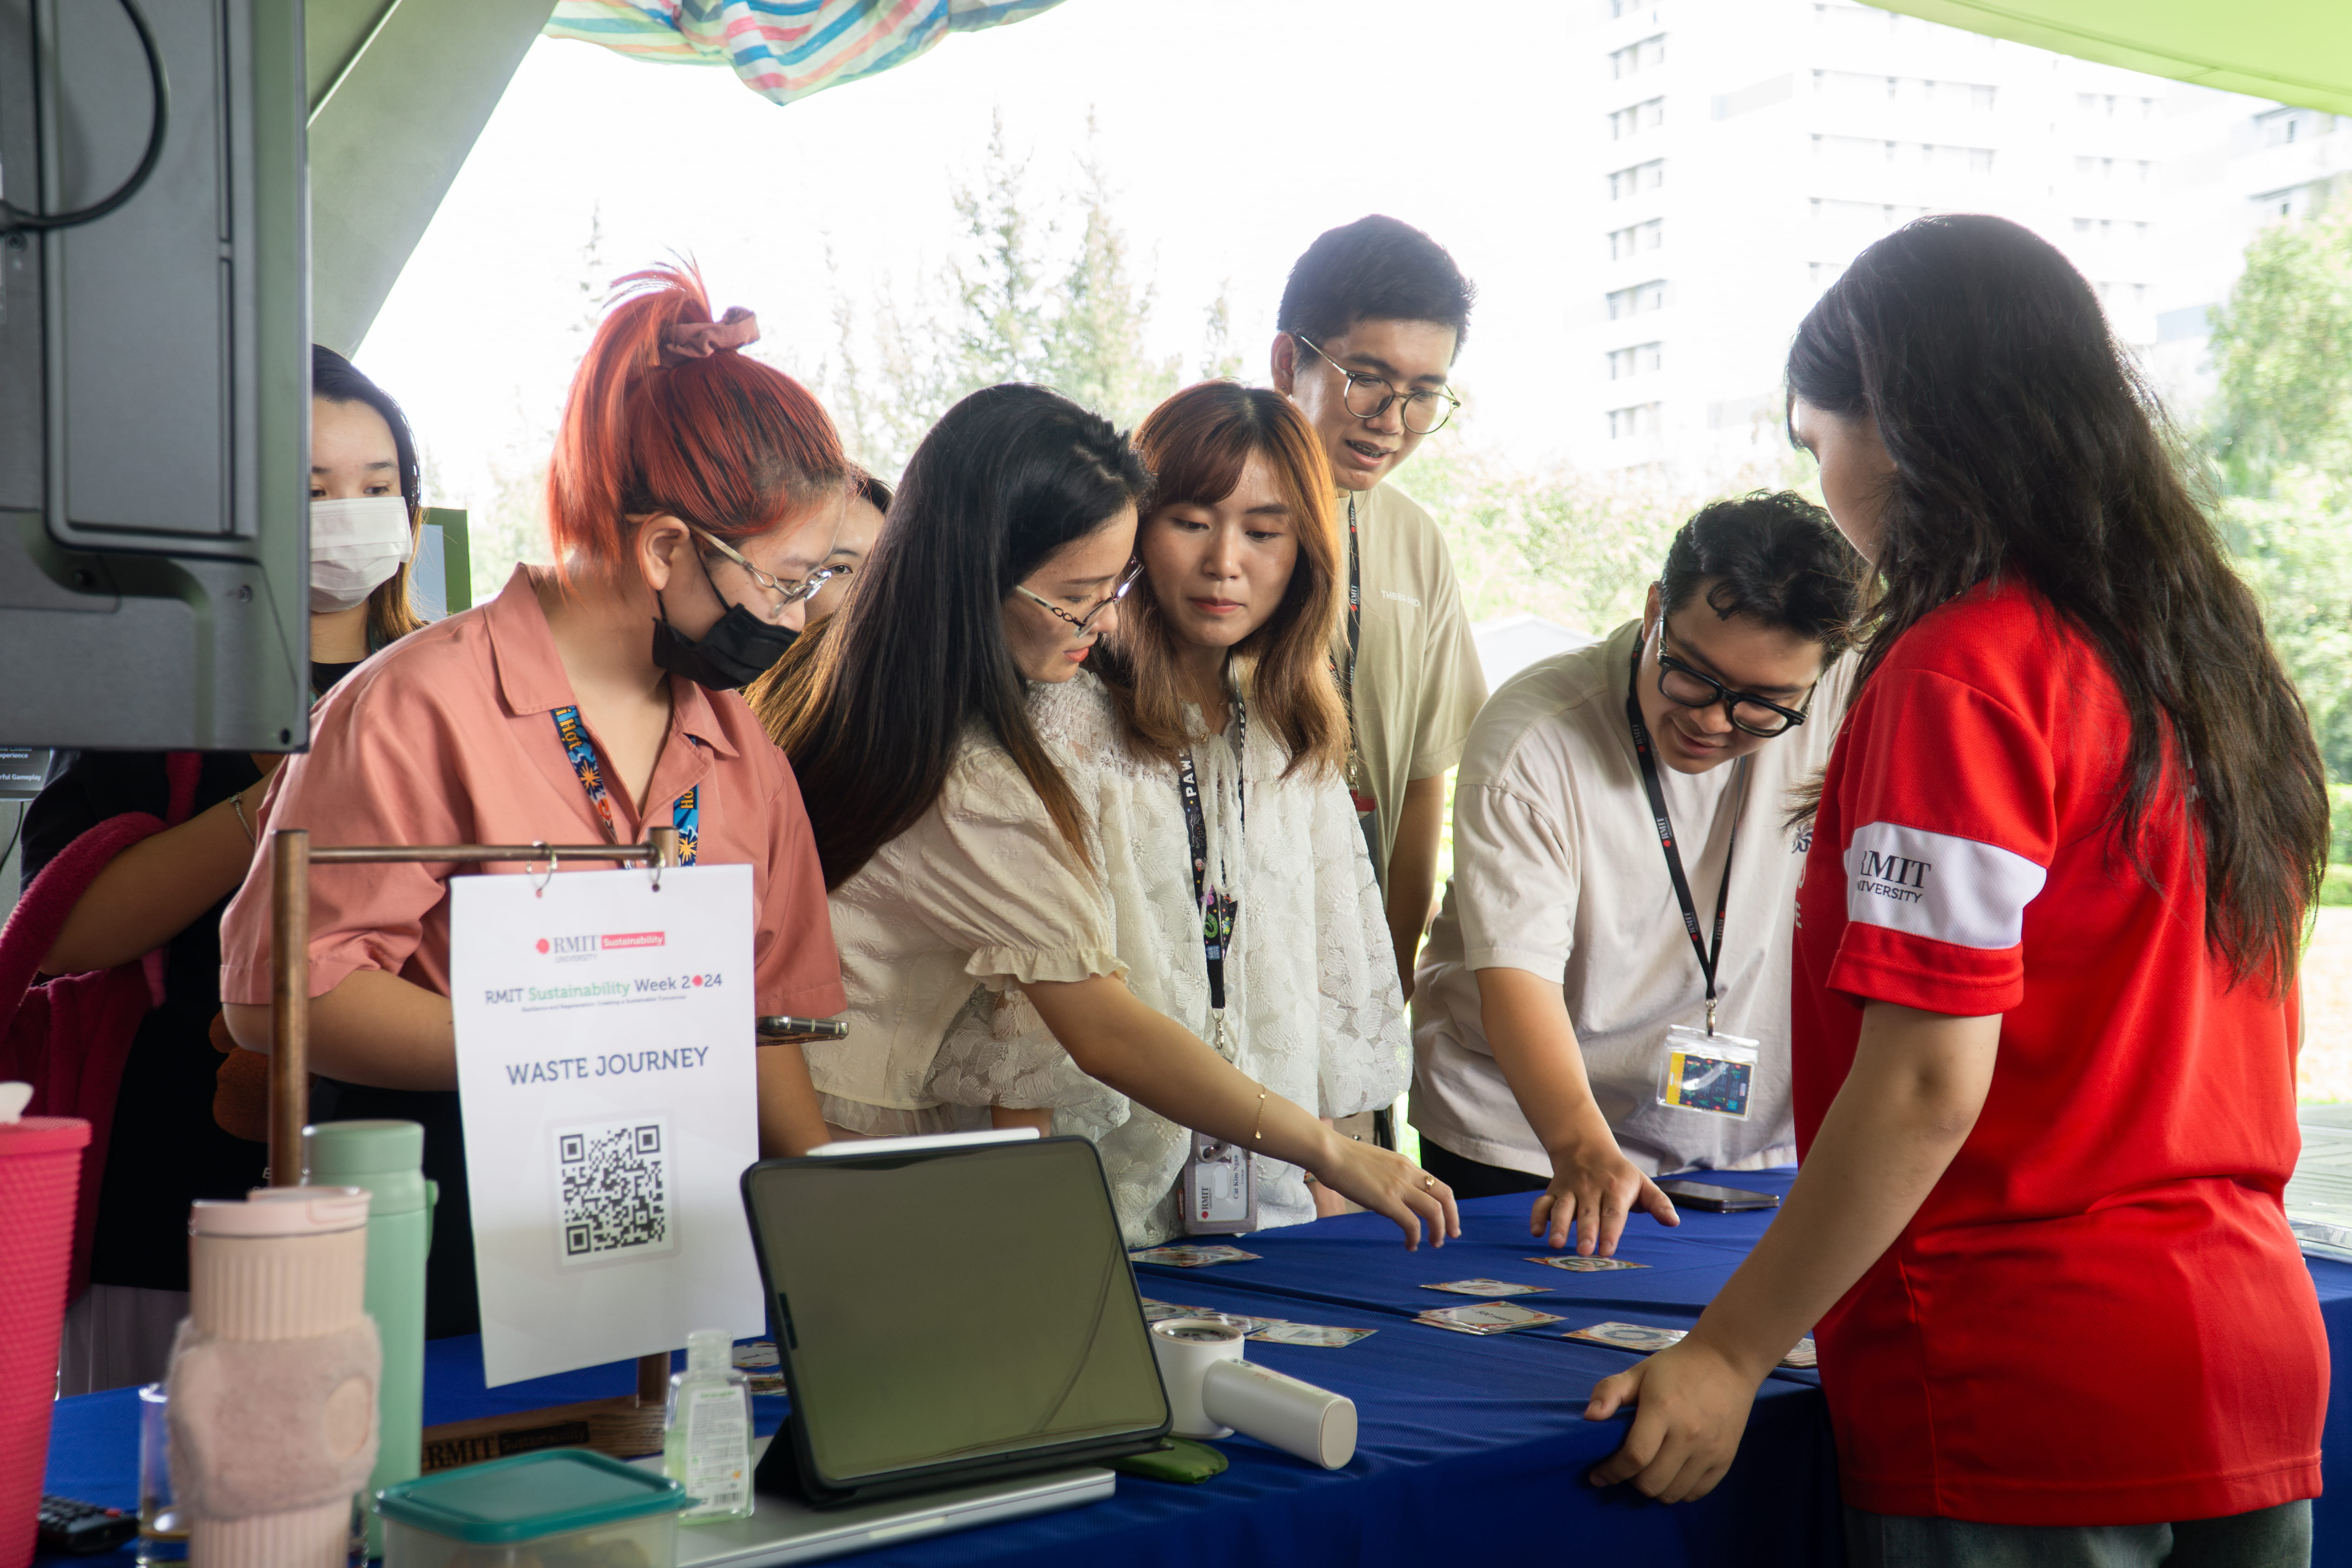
(40, 1172)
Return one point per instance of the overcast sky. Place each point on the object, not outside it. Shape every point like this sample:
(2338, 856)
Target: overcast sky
(1233, 129)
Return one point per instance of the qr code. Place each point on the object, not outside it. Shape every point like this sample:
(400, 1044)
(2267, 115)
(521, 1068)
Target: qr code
(612, 1190)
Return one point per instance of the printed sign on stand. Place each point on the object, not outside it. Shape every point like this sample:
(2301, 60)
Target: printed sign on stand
(606, 1069)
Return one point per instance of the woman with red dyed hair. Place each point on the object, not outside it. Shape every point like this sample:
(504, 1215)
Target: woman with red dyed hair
(692, 498)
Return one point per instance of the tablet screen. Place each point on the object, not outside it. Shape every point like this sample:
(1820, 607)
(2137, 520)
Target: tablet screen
(952, 1304)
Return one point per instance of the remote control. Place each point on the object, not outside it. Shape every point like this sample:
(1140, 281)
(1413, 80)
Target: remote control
(80, 1529)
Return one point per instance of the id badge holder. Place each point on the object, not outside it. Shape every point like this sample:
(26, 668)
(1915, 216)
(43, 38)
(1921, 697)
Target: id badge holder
(1712, 1074)
(1219, 1188)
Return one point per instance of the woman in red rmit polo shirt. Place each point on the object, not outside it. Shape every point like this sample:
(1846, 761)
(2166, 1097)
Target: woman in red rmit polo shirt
(2043, 1026)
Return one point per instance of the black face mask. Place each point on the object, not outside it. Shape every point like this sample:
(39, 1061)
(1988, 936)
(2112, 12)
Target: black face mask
(737, 649)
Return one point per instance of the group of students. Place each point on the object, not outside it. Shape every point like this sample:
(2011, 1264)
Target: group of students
(1097, 780)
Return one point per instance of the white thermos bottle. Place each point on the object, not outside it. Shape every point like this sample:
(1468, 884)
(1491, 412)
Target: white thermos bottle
(273, 1379)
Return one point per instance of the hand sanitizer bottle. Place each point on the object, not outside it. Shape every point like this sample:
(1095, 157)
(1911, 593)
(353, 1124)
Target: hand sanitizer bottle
(706, 1430)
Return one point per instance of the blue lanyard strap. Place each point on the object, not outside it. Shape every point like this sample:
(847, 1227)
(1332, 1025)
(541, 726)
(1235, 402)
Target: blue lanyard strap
(686, 815)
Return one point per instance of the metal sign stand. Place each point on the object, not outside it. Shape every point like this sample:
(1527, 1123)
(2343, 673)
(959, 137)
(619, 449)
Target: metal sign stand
(627, 1426)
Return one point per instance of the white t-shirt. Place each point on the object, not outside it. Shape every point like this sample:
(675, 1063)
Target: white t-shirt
(1558, 871)
(1418, 680)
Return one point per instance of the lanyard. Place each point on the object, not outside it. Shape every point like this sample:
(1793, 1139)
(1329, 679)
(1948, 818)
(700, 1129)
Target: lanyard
(1361, 800)
(686, 815)
(1643, 753)
(1218, 912)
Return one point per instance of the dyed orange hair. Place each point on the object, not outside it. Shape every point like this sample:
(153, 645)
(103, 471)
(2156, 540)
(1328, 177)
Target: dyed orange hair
(1196, 444)
(725, 443)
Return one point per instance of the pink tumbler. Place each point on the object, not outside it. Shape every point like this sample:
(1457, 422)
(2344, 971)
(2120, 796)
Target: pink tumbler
(40, 1172)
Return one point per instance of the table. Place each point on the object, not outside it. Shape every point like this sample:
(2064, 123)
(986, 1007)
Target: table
(1469, 1447)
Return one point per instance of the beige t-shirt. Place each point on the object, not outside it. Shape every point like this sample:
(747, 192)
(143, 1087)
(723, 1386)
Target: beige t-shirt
(1558, 871)
(1418, 680)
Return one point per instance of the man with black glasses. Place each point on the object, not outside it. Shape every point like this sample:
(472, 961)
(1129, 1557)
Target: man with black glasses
(1606, 995)
(1369, 322)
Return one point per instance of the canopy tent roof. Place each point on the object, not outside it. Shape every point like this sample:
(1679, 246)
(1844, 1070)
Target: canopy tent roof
(2296, 52)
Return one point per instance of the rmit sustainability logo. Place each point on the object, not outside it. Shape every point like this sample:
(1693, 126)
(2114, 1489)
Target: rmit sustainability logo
(587, 944)
(1894, 877)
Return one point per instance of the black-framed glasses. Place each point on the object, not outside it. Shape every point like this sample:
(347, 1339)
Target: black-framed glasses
(1369, 396)
(1679, 683)
(785, 593)
(1126, 582)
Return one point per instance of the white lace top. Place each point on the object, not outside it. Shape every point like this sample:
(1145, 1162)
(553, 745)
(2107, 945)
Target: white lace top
(1313, 1009)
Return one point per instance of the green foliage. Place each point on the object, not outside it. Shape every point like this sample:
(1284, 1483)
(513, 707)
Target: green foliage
(2283, 351)
(2339, 823)
(1014, 303)
(2279, 432)
(2335, 891)
(1569, 547)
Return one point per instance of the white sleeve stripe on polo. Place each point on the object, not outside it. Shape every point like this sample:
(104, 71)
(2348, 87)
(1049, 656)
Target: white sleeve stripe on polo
(1959, 890)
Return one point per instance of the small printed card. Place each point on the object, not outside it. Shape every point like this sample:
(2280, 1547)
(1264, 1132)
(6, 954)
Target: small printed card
(1488, 1287)
(1644, 1338)
(1575, 1265)
(1192, 1256)
(1310, 1334)
(1486, 1318)
(759, 1362)
(1159, 1312)
(1628, 1336)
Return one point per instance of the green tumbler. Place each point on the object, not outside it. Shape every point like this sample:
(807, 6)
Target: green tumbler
(387, 1159)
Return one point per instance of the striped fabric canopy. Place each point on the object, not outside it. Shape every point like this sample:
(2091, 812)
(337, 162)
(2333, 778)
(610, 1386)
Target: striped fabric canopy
(782, 49)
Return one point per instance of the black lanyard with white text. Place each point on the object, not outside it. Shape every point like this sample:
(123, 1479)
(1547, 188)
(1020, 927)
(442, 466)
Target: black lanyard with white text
(1643, 753)
(1218, 911)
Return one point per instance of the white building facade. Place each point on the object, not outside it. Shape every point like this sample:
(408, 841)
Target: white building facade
(1737, 153)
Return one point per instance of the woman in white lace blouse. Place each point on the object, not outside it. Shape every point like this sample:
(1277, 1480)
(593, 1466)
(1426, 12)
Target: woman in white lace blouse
(1208, 764)
(966, 866)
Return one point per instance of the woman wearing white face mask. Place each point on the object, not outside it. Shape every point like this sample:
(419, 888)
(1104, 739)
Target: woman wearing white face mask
(165, 894)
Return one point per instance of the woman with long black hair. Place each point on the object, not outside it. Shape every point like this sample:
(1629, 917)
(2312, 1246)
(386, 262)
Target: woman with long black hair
(2043, 1018)
(953, 842)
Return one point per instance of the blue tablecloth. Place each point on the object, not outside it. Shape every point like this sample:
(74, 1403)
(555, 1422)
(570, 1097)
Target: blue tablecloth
(1469, 1447)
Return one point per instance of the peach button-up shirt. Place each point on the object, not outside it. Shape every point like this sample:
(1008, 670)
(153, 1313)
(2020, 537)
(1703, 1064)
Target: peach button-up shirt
(448, 737)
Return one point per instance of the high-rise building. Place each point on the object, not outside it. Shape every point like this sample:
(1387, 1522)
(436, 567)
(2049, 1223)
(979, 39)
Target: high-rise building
(1739, 153)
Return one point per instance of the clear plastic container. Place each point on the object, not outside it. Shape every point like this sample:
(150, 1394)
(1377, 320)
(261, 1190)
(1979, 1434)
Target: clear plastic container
(566, 1507)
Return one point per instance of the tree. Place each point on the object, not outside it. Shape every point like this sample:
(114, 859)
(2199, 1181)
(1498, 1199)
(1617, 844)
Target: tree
(2279, 433)
(2283, 352)
(1019, 301)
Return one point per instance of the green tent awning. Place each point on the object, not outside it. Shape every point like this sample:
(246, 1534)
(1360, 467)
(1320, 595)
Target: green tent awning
(2296, 52)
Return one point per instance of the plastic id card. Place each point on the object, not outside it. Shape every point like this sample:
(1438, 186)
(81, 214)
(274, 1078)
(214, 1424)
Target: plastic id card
(1219, 1188)
(1710, 1073)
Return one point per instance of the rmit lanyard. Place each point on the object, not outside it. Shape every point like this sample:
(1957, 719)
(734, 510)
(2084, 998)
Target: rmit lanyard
(1218, 912)
(686, 815)
(1643, 753)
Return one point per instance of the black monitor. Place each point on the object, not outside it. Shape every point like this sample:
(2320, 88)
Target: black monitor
(154, 377)
(948, 1315)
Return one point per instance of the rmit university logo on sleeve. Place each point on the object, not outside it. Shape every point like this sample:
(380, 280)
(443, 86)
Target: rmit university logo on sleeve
(1939, 886)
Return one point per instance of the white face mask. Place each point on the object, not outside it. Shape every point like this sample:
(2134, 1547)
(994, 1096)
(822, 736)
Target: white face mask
(355, 544)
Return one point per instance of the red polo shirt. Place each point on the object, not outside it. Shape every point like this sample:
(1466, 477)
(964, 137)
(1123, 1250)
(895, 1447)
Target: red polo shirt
(2099, 1315)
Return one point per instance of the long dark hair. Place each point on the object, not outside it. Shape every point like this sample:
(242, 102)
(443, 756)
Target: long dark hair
(390, 615)
(872, 705)
(1197, 443)
(2025, 444)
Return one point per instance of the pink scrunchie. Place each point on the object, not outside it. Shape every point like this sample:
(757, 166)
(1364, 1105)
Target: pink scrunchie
(700, 340)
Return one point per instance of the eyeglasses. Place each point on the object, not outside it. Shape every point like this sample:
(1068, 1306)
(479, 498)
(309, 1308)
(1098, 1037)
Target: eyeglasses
(1369, 396)
(786, 593)
(1679, 683)
(1127, 581)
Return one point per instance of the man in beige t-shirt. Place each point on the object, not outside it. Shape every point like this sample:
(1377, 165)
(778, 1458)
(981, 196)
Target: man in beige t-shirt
(1369, 325)
(1563, 956)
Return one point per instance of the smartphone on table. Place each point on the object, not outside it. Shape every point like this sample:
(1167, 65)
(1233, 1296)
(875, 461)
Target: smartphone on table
(1716, 1200)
